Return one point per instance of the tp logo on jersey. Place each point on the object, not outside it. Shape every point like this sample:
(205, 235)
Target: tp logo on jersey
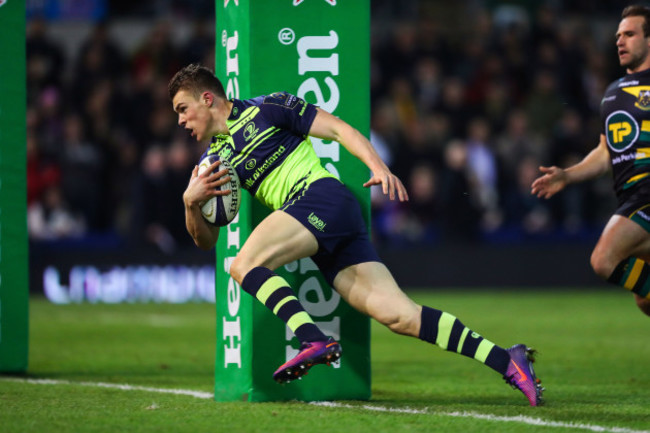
(622, 130)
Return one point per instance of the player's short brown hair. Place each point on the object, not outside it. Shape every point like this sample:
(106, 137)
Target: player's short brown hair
(639, 11)
(195, 79)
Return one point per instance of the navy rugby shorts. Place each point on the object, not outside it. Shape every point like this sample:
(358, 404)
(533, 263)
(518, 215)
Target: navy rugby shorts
(637, 206)
(330, 211)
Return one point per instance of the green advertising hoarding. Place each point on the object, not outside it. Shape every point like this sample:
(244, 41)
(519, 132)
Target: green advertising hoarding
(14, 290)
(318, 50)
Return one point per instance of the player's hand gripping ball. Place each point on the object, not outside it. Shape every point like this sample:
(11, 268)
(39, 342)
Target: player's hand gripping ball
(222, 209)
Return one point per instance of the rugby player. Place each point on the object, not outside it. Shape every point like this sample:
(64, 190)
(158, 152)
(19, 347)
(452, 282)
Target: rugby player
(266, 139)
(621, 254)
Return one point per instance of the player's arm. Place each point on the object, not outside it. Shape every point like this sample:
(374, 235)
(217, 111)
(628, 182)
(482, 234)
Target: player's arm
(330, 127)
(200, 188)
(555, 179)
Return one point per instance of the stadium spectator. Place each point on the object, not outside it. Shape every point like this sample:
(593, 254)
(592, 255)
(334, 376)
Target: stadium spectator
(81, 161)
(51, 219)
(41, 172)
(460, 210)
(482, 168)
(153, 209)
(45, 60)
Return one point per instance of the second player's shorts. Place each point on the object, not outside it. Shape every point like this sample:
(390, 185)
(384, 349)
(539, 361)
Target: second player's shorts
(328, 209)
(637, 206)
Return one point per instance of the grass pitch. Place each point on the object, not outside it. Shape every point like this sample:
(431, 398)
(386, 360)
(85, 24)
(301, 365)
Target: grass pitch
(593, 356)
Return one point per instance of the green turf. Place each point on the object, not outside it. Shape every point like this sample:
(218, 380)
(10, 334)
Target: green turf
(593, 361)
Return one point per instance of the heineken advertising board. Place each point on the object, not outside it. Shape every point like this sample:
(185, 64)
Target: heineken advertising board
(14, 290)
(318, 50)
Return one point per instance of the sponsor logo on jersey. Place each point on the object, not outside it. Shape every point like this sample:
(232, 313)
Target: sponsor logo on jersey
(643, 215)
(628, 83)
(250, 131)
(625, 157)
(609, 98)
(642, 94)
(250, 164)
(622, 130)
(262, 168)
(222, 146)
(290, 101)
(225, 153)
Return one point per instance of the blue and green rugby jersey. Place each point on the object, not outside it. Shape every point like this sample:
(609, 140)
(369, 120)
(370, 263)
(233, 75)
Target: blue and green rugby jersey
(269, 146)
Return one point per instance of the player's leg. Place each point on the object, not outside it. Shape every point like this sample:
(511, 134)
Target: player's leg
(370, 288)
(280, 239)
(618, 254)
(277, 240)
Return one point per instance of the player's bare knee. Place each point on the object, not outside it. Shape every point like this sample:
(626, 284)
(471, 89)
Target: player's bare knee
(601, 266)
(403, 324)
(238, 269)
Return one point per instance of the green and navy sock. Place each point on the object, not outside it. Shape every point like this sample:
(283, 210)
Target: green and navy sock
(447, 332)
(273, 291)
(634, 275)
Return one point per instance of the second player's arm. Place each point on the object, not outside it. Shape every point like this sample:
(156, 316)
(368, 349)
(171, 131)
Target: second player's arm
(595, 164)
(330, 127)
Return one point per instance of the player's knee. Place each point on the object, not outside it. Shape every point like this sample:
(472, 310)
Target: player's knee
(238, 269)
(601, 265)
(403, 325)
(400, 322)
(397, 313)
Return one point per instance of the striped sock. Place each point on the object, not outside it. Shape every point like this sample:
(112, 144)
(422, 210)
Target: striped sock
(447, 332)
(634, 275)
(273, 291)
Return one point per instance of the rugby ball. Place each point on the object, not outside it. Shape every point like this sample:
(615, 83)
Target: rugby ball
(222, 209)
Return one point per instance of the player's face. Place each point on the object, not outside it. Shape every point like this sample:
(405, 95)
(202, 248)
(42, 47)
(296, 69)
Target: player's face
(193, 114)
(633, 47)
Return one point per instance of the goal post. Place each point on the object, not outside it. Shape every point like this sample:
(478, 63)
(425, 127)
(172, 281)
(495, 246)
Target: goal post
(14, 287)
(318, 50)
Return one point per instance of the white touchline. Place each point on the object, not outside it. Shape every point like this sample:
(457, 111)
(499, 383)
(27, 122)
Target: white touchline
(124, 387)
(329, 404)
(518, 419)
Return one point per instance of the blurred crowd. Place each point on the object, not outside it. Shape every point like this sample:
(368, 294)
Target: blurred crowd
(464, 114)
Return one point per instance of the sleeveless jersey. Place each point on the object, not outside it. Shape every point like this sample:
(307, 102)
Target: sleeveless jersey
(625, 116)
(269, 146)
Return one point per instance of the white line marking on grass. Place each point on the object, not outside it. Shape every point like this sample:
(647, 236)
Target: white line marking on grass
(123, 387)
(518, 419)
(329, 404)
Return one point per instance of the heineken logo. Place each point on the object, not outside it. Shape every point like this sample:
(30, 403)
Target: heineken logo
(231, 43)
(622, 130)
